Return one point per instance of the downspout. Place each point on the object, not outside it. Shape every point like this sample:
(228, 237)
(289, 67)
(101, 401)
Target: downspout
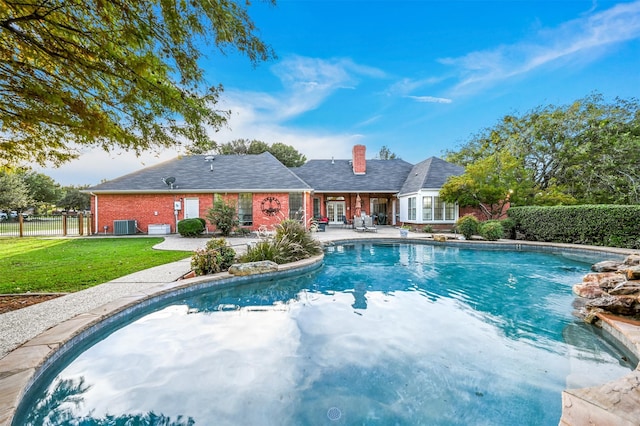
(95, 219)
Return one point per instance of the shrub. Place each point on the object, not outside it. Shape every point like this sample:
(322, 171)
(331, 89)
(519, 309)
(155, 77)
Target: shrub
(467, 225)
(203, 222)
(242, 232)
(613, 225)
(427, 228)
(190, 227)
(216, 257)
(491, 230)
(292, 242)
(223, 216)
(262, 250)
(509, 228)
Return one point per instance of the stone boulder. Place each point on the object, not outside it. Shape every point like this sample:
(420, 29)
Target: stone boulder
(613, 288)
(252, 268)
(633, 273)
(589, 290)
(606, 266)
(632, 260)
(604, 280)
(439, 237)
(626, 288)
(618, 305)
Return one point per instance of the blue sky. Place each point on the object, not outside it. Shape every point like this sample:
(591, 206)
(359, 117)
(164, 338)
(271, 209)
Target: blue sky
(418, 76)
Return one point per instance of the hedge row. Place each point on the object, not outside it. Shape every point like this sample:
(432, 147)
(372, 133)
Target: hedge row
(600, 225)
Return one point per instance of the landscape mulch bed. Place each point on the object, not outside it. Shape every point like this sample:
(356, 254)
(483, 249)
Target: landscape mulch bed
(12, 302)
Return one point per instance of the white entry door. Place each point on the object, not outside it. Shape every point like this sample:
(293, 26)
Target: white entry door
(335, 211)
(191, 208)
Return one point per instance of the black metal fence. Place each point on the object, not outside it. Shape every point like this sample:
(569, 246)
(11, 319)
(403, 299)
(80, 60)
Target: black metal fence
(47, 225)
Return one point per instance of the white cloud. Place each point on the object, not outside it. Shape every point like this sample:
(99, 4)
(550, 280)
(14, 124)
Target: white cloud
(307, 83)
(584, 37)
(406, 86)
(431, 99)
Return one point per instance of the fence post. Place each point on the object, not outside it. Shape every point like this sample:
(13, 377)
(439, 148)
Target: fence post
(80, 224)
(91, 230)
(64, 225)
(20, 225)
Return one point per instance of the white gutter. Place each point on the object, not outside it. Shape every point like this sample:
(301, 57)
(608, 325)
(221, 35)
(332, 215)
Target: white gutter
(197, 191)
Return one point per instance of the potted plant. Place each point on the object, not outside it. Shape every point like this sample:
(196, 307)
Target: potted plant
(404, 231)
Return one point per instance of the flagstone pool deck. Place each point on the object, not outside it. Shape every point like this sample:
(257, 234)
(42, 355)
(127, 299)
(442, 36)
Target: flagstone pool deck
(30, 336)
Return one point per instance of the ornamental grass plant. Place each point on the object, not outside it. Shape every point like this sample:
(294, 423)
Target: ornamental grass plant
(291, 242)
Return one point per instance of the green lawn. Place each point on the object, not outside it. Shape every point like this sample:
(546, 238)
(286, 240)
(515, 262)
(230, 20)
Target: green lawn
(43, 265)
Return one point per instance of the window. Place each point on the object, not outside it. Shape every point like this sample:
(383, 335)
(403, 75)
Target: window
(412, 208)
(296, 211)
(245, 209)
(449, 211)
(316, 207)
(427, 208)
(438, 209)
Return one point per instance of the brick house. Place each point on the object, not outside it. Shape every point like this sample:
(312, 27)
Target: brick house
(264, 191)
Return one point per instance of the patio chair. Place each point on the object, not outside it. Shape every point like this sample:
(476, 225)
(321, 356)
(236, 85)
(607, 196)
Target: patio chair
(368, 224)
(358, 224)
(345, 222)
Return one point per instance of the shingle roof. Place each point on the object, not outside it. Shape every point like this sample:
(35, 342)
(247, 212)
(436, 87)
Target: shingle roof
(231, 173)
(431, 173)
(338, 176)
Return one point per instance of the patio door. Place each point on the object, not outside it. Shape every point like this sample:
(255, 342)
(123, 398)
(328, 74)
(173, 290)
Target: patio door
(335, 211)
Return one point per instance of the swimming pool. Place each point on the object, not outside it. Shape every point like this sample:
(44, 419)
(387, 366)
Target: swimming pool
(382, 334)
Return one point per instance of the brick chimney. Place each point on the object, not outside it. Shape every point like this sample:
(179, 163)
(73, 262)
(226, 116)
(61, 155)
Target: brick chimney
(359, 161)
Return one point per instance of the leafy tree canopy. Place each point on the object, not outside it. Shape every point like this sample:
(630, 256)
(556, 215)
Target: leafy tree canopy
(42, 188)
(118, 73)
(286, 154)
(585, 152)
(14, 192)
(489, 184)
(73, 199)
(386, 154)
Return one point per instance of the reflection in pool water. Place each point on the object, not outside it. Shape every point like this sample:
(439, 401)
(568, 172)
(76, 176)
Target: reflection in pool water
(382, 334)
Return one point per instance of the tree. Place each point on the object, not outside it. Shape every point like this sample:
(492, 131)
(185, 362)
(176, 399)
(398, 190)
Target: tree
(43, 189)
(118, 73)
(14, 192)
(235, 147)
(489, 184)
(73, 199)
(286, 154)
(257, 147)
(584, 152)
(386, 154)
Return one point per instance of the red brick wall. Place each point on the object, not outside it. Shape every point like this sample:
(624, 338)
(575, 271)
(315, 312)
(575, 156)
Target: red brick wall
(139, 207)
(260, 218)
(143, 208)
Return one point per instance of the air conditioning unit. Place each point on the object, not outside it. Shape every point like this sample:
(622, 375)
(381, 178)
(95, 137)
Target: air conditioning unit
(124, 227)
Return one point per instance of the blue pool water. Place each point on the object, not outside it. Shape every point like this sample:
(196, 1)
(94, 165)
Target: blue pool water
(382, 335)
